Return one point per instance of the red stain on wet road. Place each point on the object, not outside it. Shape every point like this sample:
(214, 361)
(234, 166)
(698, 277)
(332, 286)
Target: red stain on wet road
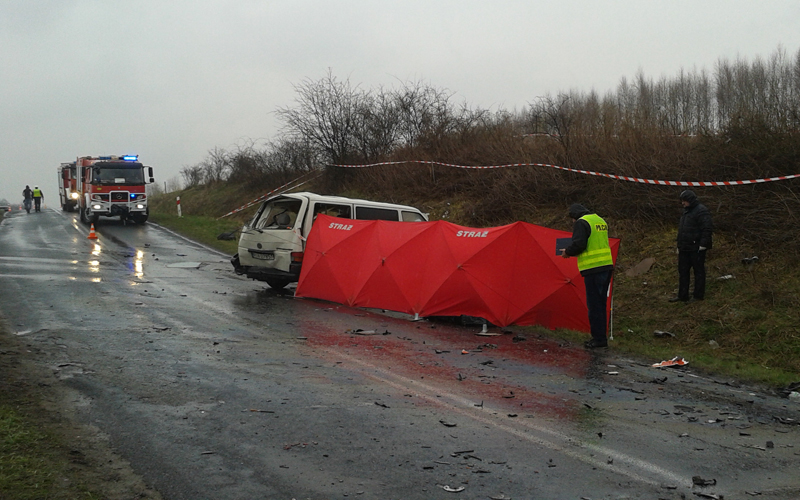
(433, 354)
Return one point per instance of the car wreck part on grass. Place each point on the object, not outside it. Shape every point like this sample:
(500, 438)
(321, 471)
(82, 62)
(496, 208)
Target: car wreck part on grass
(674, 362)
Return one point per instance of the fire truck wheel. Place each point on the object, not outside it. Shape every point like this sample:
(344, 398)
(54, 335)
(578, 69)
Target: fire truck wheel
(89, 219)
(139, 218)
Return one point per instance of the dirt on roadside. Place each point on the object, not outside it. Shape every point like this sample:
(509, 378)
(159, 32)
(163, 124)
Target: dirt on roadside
(47, 404)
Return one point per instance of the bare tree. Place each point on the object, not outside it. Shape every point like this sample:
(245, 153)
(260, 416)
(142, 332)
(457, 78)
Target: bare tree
(192, 175)
(326, 116)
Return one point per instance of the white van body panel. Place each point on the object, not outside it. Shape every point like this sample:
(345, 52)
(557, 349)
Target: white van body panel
(282, 224)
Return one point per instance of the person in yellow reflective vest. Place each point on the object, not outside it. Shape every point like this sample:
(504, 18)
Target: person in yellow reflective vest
(37, 198)
(590, 245)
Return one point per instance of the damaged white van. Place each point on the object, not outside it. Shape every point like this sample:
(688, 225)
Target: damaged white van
(271, 245)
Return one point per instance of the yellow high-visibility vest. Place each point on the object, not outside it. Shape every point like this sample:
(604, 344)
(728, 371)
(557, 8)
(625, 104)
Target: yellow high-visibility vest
(37, 193)
(598, 252)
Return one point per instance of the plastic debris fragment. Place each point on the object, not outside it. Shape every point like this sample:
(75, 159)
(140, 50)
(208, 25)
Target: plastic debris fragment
(676, 361)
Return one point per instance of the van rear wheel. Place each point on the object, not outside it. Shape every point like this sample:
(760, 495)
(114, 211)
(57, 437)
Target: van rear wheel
(277, 283)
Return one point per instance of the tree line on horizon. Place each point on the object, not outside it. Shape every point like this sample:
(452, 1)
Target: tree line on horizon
(740, 120)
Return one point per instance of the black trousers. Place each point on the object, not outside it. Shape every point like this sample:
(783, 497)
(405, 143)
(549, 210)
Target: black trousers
(596, 300)
(688, 261)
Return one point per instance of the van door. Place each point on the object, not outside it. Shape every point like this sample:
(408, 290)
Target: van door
(341, 210)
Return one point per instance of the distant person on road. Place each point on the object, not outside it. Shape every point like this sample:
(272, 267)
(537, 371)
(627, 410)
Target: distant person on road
(38, 196)
(27, 198)
(694, 239)
(590, 245)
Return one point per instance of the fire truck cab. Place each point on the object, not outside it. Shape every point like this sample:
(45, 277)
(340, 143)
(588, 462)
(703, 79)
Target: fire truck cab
(113, 186)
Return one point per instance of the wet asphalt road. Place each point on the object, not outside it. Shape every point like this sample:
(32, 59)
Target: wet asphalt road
(216, 387)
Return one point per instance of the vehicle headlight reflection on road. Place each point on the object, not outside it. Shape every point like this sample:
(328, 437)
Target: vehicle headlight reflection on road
(138, 264)
(94, 265)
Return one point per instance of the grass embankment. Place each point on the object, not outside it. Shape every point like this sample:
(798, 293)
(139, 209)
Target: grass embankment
(746, 328)
(35, 462)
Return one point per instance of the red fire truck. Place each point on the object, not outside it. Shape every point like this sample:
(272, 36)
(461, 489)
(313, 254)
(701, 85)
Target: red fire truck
(68, 186)
(112, 186)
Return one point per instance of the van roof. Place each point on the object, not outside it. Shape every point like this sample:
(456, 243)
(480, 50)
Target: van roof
(340, 199)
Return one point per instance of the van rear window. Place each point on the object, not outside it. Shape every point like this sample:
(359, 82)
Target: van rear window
(412, 216)
(372, 213)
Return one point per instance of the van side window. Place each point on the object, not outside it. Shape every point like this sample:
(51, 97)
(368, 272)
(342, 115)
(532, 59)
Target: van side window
(412, 216)
(333, 209)
(372, 213)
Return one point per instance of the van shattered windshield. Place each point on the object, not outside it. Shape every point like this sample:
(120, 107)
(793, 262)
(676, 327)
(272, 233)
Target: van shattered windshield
(278, 214)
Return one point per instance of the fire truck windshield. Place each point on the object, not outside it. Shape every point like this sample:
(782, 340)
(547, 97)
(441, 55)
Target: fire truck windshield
(114, 174)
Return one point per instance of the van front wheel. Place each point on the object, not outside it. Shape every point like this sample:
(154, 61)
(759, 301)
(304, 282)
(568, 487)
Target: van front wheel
(277, 283)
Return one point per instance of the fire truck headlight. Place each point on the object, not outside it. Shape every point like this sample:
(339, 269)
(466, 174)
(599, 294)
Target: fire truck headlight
(96, 207)
(139, 206)
(74, 196)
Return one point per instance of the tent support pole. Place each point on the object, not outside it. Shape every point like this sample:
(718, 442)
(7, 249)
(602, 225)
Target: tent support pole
(611, 318)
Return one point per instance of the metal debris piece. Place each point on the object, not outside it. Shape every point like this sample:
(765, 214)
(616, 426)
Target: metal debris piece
(359, 331)
(447, 424)
(453, 490)
(662, 333)
(787, 420)
(699, 481)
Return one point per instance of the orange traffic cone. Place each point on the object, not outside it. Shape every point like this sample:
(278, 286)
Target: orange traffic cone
(92, 234)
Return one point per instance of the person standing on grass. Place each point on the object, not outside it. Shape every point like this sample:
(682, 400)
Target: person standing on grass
(590, 245)
(694, 239)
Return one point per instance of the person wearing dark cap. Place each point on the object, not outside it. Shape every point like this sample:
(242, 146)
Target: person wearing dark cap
(694, 238)
(590, 245)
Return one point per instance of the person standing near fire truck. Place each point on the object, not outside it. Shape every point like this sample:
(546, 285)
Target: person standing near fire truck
(38, 196)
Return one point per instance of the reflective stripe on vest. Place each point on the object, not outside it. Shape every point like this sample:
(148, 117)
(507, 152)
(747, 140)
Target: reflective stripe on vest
(598, 252)
(37, 193)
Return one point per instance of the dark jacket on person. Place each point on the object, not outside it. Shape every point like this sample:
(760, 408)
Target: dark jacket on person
(580, 237)
(27, 193)
(695, 227)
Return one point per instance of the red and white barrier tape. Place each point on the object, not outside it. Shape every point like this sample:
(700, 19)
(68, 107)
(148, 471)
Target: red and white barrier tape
(289, 185)
(588, 172)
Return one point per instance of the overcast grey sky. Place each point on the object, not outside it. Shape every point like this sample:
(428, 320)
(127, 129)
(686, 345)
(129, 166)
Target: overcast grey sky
(171, 79)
